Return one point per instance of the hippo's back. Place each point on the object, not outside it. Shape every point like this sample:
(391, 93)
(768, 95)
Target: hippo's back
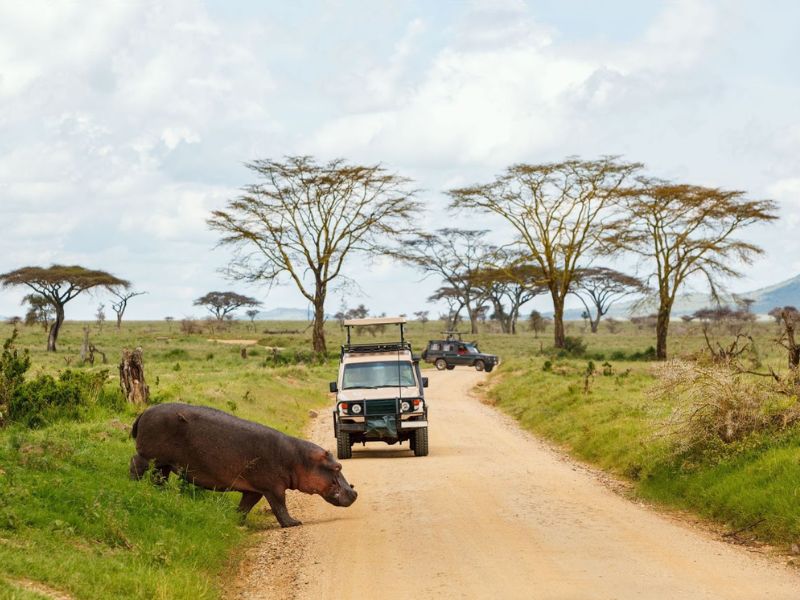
(212, 445)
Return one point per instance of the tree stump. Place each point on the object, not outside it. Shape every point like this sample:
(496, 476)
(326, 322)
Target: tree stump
(131, 377)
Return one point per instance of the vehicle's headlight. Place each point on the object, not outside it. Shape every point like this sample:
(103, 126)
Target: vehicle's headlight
(355, 409)
(405, 406)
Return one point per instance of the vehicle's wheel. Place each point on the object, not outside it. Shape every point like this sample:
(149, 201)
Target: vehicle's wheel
(479, 365)
(343, 447)
(419, 442)
(440, 364)
(450, 367)
(489, 368)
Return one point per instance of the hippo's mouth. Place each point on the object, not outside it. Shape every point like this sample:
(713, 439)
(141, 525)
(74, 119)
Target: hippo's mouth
(338, 496)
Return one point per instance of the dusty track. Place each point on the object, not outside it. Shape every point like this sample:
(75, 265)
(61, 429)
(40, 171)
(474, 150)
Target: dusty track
(491, 513)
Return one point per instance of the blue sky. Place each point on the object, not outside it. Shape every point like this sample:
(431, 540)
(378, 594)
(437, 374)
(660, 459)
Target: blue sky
(122, 125)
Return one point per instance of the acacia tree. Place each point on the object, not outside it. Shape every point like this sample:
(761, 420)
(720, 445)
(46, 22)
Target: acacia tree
(687, 231)
(456, 256)
(599, 287)
(561, 212)
(302, 220)
(222, 304)
(59, 284)
(39, 310)
(121, 303)
(509, 287)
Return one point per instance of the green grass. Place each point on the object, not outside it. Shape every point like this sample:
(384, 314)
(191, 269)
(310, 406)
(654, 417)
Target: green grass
(69, 516)
(617, 426)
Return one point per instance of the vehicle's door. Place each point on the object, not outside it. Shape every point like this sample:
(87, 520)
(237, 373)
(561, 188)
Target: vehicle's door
(463, 356)
(449, 353)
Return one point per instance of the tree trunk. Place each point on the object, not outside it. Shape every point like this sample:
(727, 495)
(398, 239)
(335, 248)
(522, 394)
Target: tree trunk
(318, 332)
(119, 320)
(85, 345)
(558, 321)
(55, 328)
(595, 323)
(473, 320)
(131, 377)
(662, 329)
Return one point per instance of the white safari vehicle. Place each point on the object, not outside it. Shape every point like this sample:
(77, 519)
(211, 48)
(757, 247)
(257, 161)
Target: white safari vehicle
(380, 394)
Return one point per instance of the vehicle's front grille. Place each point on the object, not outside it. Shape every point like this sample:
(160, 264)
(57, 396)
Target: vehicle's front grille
(380, 407)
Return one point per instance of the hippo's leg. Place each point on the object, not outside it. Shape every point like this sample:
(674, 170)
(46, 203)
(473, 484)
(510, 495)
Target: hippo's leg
(249, 500)
(139, 466)
(278, 504)
(161, 474)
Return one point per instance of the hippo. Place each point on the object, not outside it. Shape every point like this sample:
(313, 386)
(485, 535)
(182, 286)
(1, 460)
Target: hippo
(218, 451)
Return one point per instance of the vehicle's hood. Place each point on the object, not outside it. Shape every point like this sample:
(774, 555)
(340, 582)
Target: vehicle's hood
(387, 392)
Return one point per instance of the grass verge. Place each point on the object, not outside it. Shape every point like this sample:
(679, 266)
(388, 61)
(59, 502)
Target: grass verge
(615, 425)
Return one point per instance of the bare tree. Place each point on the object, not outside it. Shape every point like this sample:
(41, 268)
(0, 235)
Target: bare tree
(302, 220)
(121, 303)
(169, 321)
(455, 305)
(561, 212)
(685, 232)
(252, 314)
(222, 304)
(454, 255)
(422, 317)
(599, 287)
(60, 284)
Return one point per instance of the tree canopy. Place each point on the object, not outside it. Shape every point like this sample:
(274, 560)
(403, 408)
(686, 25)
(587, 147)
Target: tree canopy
(222, 304)
(301, 220)
(561, 212)
(59, 284)
(687, 232)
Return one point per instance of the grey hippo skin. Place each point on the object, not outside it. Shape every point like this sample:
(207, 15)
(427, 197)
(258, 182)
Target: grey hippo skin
(218, 451)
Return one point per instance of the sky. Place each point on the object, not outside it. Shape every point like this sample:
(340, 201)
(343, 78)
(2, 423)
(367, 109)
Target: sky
(123, 124)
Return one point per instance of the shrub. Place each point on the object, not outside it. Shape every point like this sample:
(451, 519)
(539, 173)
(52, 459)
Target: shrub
(573, 346)
(12, 373)
(713, 404)
(44, 399)
(176, 354)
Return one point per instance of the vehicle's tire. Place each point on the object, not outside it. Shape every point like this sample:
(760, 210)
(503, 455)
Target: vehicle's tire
(489, 368)
(440, 364)
(344, 449)
(419, 442)
(479, 365)
(450, 367)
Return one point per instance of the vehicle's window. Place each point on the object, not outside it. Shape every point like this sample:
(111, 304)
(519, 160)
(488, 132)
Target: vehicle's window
(434, 347)
(447, 347)
(378, 374)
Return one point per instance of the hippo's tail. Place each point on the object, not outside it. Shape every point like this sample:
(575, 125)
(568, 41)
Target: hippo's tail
(135, 426)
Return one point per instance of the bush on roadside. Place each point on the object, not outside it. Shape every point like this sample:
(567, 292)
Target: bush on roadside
(715, 404)
(45, 399)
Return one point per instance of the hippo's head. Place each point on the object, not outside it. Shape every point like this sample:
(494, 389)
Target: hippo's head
(327, 480)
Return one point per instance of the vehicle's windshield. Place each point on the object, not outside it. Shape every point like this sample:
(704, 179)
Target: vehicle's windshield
(378, 374)
(472, 349)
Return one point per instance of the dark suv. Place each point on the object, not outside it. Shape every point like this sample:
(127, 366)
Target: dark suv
(449, 353)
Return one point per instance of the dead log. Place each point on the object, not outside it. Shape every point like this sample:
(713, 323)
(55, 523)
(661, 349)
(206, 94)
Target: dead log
(131, 377)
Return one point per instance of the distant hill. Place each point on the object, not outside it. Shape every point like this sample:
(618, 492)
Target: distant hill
(785, 293)
(284, 314)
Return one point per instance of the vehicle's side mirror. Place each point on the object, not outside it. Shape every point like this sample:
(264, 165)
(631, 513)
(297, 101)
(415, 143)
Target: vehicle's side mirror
(424, 382)
(333, 387)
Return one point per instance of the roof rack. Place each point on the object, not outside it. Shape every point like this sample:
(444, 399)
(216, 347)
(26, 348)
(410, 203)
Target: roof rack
(451, 335)
(349, 323)
(376, 347)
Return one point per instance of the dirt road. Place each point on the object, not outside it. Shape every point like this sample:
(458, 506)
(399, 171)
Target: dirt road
(491, 513)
